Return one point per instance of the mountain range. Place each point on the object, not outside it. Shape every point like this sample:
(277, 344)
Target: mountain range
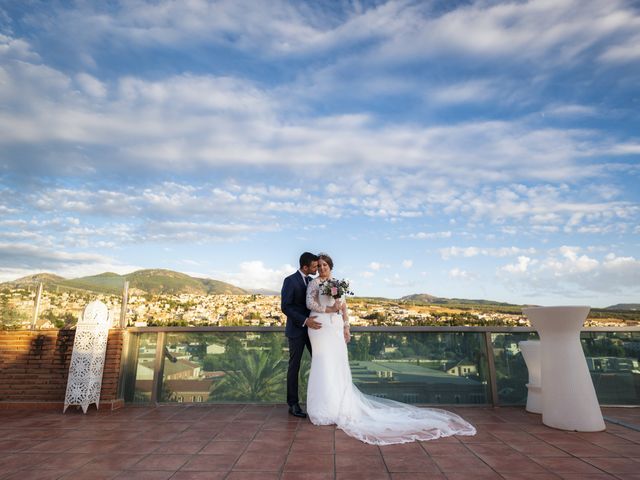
(430, 299)
(161, 281)
(153, 281)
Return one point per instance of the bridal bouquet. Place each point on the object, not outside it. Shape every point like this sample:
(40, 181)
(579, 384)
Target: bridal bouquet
(335, 288)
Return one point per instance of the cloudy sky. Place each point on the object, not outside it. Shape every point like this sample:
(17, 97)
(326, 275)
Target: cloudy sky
(475, 149)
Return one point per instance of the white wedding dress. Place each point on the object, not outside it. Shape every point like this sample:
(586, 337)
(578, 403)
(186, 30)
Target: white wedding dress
(332, 398)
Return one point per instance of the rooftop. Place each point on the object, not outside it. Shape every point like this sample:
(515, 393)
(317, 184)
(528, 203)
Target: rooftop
(235, 442)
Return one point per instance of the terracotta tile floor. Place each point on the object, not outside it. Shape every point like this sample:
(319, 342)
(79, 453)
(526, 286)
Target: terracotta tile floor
(236, 442)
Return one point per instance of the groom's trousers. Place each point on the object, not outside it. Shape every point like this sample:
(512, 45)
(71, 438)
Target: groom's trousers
(296, 349)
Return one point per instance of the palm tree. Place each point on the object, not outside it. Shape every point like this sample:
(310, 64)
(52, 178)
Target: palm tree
(256, 375)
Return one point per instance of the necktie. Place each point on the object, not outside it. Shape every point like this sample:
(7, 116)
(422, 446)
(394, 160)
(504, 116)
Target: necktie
(307, 279)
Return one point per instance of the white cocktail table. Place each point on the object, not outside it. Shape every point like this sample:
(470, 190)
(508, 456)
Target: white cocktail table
(530, 350)
(569, 400)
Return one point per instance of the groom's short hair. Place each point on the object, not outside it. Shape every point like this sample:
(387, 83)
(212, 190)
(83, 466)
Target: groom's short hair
(306, 258)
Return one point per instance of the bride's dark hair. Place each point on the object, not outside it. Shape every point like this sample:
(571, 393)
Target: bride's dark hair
(326, 258)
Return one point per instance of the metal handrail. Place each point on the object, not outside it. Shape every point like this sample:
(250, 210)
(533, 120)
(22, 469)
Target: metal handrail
(395, 329)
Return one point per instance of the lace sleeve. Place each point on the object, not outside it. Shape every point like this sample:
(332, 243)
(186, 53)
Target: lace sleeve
(345, 312)
(313, 303)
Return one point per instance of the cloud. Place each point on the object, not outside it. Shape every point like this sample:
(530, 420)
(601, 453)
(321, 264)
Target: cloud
(624, 52)
(467, 252)
(457, 273)
(399, 281)
(552, 32)
(466, 92)
(569, 271)
(25, 259)
(91, 85)
(627, 148)
(255, 274)
(210, 211)
(195, 123)
(430, 235)
(407, 263)
(520, 266)
(200, 232)
(12, 48)
(540, 205)
(570, 110)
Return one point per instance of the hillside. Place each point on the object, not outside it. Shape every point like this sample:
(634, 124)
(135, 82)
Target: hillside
(421, 298)
(634, 307)
(216, 287)
(103, 283)
(30, 280)
(153, 281)
(433, 300)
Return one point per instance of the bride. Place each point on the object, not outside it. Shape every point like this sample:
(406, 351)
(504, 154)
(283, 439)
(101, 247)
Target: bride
(332, 398)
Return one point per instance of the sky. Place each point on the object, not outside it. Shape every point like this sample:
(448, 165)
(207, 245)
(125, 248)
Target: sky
(465, 149)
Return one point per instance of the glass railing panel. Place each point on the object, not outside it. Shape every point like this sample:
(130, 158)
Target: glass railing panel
(413, 367)
(139, 391)
(421, 367)
(226, 367)
(512, 375)
(429, 367)
(612, 358)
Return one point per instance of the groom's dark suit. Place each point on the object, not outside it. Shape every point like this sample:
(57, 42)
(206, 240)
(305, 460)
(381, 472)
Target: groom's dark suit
(294, 306)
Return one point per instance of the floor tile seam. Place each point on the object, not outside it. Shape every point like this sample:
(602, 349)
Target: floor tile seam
(612, 458)
(246, 446)
(386, 467)
(151, 453)
(582, 459)
(611, 444)
(295, 433)
(27, 466)
(79, 467)
(483, 461)
(622, 423)
(623, 455)
(545, 468)
(204, 445)
(174, 474)
(335, 461)
(618, 476)
(468, 450)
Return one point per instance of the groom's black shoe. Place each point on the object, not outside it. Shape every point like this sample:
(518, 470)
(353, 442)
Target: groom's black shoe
(296, 411)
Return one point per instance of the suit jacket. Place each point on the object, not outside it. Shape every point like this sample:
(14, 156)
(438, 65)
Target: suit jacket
(293, 303)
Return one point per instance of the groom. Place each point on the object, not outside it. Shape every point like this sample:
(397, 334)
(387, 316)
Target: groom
(294, 306)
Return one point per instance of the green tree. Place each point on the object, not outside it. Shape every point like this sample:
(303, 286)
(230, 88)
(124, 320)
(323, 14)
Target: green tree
(10, 318)
(359, 348)
(255, 375)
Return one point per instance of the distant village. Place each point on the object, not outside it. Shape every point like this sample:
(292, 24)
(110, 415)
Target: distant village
(58, 309)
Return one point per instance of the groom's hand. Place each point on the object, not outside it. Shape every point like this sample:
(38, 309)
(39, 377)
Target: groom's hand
(312, 324)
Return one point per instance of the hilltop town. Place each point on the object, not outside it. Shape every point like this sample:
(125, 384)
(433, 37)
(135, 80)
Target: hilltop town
(61, 308)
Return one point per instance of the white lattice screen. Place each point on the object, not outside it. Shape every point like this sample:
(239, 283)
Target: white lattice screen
(87, 359)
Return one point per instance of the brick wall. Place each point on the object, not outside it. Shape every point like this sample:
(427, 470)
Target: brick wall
(34, 366)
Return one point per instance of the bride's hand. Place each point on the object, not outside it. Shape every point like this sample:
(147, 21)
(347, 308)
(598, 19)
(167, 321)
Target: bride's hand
(335, 308)
(347, 335)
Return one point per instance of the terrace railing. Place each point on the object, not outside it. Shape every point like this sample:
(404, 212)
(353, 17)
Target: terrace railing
(419, 365)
